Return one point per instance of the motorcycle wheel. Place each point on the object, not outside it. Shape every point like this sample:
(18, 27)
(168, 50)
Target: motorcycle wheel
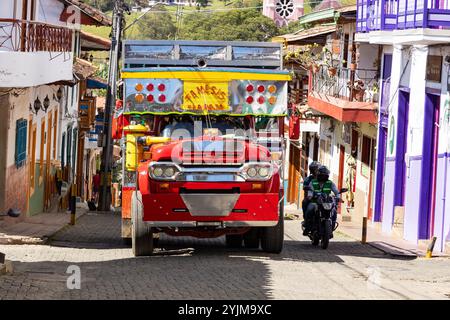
(315, 239)
(326, 234)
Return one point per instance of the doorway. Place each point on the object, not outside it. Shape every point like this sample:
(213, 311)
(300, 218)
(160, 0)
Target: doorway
(379, 187)
(382, 138)
(429, 165)
(402, 140)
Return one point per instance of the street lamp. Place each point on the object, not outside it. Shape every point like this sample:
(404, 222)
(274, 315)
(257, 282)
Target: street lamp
(46, 104)
(59, 94)
(36, 106)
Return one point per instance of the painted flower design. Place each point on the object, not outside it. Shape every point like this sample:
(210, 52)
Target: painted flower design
(284, 8)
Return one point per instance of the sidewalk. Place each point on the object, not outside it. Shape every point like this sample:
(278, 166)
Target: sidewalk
(390, 244)
(36, 229)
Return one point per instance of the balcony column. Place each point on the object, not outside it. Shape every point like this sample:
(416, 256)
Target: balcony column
(414, 158)
(392, 109)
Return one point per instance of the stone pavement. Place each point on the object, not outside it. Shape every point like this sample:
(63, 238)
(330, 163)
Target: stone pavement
(188, 268)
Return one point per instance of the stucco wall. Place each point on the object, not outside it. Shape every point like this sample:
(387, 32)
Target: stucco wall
(414, 78)
(29, 69)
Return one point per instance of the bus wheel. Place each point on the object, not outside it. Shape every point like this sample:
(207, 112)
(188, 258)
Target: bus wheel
(272, 237)
(141, 235)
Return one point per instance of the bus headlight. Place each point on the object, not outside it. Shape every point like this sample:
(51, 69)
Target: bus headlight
(257, 171)
(263, 172)
(163, 171)
(169, 172)
(251, 172)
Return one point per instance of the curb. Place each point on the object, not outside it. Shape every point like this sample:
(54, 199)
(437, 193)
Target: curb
(385, 249)
(20, 240)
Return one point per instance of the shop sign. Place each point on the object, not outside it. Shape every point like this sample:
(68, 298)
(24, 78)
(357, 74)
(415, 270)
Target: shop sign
(434, 68)
(309, 125)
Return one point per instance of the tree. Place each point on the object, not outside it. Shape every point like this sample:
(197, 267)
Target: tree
(243, 25)
(157, 26)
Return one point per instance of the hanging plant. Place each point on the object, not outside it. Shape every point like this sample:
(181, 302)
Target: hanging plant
(304, 56)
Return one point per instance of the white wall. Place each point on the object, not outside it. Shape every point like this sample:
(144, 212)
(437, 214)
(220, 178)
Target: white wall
(417, 100)
(22, 69)
(7, 8)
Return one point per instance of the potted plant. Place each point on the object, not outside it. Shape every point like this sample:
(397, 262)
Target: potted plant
(305, 56)
(331, 71)
(315, 67)
(358, 90)
(328, 62)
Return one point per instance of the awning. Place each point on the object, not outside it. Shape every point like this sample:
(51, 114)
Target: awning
(83, 69)
(90, 42)
(96, 83)
(312, 35)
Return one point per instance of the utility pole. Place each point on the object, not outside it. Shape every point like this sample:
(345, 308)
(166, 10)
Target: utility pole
(107, 153)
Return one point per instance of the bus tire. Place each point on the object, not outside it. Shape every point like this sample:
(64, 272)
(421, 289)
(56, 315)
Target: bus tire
(141, 235)
(272, 237)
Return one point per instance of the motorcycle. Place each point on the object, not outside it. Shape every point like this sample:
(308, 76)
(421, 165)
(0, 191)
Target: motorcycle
(322, 223)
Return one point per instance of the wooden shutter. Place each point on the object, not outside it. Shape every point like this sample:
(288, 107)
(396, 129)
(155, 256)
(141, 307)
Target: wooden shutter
(21, 142)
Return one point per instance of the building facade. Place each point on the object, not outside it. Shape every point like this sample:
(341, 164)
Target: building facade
(39, 93)
(412, 177)
(338, 120)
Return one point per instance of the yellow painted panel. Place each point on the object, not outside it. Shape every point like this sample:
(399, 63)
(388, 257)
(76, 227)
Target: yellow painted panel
(206, 96)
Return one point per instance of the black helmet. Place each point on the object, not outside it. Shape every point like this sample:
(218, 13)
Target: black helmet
(323, 173)
(313, 167)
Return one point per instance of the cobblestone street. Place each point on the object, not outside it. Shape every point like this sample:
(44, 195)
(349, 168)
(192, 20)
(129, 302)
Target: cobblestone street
(186, 268)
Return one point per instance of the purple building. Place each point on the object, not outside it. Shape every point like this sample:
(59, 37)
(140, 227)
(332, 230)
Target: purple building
(412, 185)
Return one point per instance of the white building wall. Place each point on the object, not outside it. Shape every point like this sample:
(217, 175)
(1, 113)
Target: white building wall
(30, 69)
(417, 100)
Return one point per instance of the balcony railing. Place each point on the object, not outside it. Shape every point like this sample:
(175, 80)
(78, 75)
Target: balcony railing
(402, 14)
(31, 36)
(340, 86)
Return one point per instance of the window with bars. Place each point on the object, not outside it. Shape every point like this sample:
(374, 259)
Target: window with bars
(21, 142)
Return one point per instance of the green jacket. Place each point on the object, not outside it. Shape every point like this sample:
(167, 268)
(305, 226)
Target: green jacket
(326, 187)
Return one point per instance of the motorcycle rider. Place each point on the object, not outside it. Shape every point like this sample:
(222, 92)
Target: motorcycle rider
(313, 167)
(320, 184)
